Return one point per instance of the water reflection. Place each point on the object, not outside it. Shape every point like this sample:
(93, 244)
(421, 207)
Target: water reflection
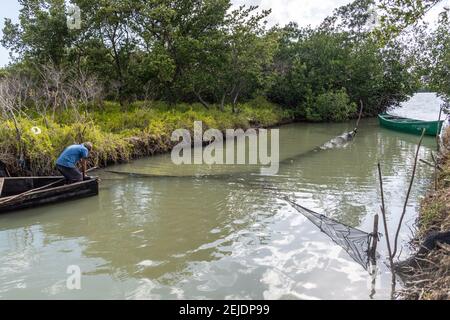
(223, 236)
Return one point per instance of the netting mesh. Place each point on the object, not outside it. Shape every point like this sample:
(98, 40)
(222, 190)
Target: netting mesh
(354, 241)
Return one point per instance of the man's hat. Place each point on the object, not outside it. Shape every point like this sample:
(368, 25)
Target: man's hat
(88, 145)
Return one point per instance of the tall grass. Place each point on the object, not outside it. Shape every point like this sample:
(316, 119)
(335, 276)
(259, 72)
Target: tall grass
(118, 135)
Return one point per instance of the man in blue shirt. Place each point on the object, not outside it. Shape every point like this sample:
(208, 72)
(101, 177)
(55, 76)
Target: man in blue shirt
(67, 161)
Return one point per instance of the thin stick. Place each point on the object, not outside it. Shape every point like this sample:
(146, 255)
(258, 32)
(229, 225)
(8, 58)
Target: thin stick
(436, 176)
(438, 149)
(430, 164)
(438, 131)
(408, 194)
(360, 114)
(383, 212)
(433, 157)
(91, 169)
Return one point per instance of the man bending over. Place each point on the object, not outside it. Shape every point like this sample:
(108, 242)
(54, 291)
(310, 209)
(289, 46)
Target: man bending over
(67, 161)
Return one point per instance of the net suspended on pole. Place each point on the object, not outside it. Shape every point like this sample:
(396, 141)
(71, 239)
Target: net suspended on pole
(354, 241)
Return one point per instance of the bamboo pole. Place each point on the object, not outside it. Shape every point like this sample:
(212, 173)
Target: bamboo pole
(360, 114)
(407, 196)
(383, 212)
(436, 176)
(438, 131)
(388, 243)
(438, 150)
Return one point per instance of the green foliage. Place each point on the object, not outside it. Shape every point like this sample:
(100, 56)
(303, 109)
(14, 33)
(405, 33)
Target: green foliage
(398, 15)
(331, 106)
(42, 34)
(200, 50)
(313, 62)
(431, 212)
(154, 59)
(438, 75)
(110, 130)
(41, 150)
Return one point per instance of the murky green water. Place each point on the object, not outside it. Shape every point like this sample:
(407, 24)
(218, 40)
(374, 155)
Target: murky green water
(225, 236)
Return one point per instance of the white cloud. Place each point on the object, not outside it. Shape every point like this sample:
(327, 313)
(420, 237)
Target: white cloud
(303, 12)
(312, 12)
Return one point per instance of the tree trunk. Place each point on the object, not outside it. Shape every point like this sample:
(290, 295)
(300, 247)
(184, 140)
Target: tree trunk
(222, 103)
(235, 99)
(203, 102)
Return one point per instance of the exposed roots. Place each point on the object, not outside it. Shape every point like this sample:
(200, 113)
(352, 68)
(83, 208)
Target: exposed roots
(428, 277)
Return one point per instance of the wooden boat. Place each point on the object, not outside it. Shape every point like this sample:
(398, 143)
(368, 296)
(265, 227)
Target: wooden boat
(410, 125)
(28, 192)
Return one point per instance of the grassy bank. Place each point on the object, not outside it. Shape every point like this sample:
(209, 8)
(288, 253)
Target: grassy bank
(430, 278)
(118, 134)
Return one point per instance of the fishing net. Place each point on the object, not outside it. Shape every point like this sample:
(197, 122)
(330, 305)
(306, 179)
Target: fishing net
(355, 242)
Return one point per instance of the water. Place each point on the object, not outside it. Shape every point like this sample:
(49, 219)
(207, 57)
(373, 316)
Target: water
(423, 106)
(224, 236)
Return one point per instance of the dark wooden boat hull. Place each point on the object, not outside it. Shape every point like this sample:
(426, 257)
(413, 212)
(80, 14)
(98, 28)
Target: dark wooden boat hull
(56, 193)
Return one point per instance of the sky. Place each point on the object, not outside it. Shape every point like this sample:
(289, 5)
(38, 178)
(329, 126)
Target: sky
(304, 12)
(9, 9)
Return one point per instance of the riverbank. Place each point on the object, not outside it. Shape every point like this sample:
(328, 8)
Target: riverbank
(119, 135)
(430, 278)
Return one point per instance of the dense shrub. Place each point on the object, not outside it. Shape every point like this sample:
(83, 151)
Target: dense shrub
(331, 106)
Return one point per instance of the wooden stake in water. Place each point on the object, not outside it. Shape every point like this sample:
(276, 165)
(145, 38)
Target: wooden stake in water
(383, 212)
(438, 131)
(438, 149)
(407, 195)
(373, 248)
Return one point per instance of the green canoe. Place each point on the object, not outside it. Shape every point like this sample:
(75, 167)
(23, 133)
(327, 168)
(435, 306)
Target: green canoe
(410, 125)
